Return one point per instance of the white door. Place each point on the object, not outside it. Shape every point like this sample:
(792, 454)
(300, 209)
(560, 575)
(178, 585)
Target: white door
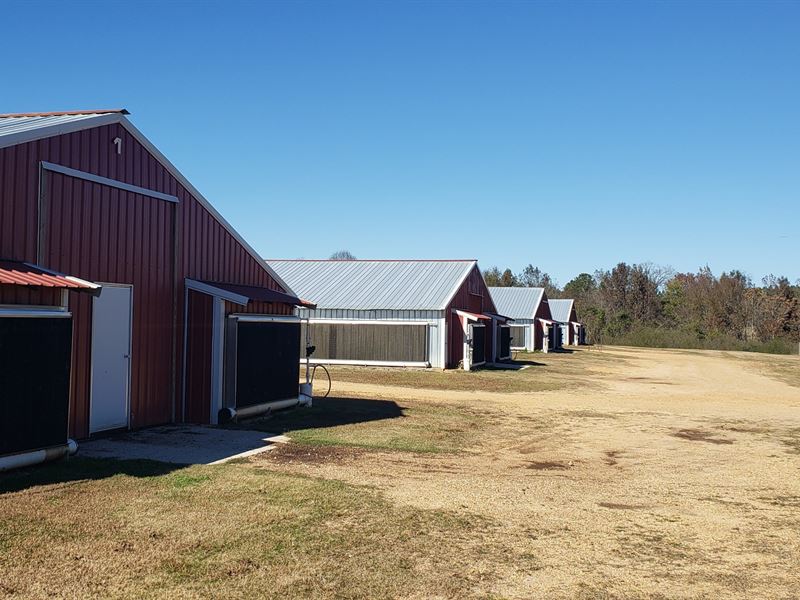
(111, 347)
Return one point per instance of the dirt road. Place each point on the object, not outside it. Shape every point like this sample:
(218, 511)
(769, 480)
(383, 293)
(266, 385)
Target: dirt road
(675, 474)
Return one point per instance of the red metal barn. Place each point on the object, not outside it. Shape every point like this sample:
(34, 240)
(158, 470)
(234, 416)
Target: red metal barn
(470, 310)
(413, 313)
(171, 294)
(534, 327)
(572, 330)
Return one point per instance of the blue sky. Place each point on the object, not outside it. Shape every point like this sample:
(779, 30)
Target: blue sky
(567, 135)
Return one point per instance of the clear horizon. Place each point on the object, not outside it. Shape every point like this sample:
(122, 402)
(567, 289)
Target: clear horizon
(571, 136)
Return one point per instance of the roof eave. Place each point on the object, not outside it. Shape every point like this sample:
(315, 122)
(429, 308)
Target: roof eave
(119, 117)
(472, 264)
(202, 199)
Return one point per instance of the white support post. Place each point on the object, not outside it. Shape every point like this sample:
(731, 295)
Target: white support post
(494, 339)
(217, 353)
(443, 333)
(467, 354)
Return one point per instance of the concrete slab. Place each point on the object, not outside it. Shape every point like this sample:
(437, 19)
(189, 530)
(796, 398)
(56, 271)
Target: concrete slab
(186, 445)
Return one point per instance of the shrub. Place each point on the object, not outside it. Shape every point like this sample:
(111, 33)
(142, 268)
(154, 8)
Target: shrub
(658, 337)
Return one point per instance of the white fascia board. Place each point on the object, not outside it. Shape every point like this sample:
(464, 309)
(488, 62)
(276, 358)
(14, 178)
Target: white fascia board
(368, 322)
(364, 363)
(254, 318)
(27, 311)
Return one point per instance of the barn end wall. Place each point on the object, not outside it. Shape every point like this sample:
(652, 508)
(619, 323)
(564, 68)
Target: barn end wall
(101, 233)
(472, 296)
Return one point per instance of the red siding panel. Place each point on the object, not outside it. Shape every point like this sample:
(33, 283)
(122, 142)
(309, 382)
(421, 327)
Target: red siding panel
(14, 294)
(468, 301)
(198, 357)
(106, 234)
(542, 312)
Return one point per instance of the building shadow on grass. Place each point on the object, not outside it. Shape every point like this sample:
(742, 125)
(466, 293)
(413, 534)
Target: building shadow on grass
(326, 412)
(77, 468)
(520, 363)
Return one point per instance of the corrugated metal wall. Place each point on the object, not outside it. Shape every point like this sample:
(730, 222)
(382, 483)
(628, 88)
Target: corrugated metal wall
(369, 342)
(109, 235)
(433, 318)
(106, 234)
(15, 294)
(198, 357)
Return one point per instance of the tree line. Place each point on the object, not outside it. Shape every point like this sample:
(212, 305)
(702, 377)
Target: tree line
(651, 305)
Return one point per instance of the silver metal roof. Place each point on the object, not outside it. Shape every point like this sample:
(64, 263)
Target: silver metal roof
(375, 284)
(12, 125)
(517, 302)
(560, 309)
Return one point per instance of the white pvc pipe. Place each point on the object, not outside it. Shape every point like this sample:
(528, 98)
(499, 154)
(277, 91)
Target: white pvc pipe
(27, 459)
(247, 412)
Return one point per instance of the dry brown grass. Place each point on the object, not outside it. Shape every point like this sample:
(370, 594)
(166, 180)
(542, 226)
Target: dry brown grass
(782, 368)
(544, 372)
(666, 475)
(229, 531)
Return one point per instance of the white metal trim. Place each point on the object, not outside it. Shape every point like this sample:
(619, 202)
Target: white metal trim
(204, 288)
(370, 322)
(28, 312)
(248, 318)
(48, 166)
(366, 363)
(217, 354)
(443, 335)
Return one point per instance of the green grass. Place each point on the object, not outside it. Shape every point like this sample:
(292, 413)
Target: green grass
(231, 531)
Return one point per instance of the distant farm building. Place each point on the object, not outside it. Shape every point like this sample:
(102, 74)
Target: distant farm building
(572, 332)
(126, 299)
(421, 313)
(533, 328)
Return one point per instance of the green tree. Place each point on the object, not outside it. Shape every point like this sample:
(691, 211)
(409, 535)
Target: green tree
(534, 277)
(492, 277)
